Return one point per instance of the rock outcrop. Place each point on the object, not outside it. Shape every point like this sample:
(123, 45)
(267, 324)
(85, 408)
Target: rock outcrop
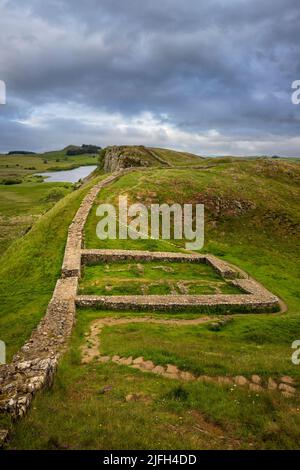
(118, 158)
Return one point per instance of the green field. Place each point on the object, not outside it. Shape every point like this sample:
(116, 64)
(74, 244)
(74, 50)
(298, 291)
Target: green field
(252, 220)
(152, 278)
(22, 167)
(23, 204)
(24, 197)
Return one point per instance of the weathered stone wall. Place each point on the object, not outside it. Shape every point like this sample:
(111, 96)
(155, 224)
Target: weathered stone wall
(89, 256)
(222, 303)
(72, 259)
(34, 366)
(159, 159)
(254, 299)
(223, 269)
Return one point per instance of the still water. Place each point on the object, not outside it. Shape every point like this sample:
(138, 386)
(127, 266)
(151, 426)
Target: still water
(68, 176)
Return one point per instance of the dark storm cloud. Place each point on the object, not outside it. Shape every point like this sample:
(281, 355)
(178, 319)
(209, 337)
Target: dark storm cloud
(211, 76)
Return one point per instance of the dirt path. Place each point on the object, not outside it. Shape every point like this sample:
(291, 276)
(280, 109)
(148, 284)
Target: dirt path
(91, 351)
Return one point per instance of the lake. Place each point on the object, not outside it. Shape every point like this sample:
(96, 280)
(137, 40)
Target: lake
(68, 176)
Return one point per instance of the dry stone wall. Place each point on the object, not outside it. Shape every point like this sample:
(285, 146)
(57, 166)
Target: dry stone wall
(254, 298)
(222, 268)
(221, 303)
(72, 259)
(89, 256)
(159, 159)
(34, 366)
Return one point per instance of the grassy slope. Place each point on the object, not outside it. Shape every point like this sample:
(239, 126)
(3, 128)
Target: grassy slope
(252, 219)
(21, 206)
(29, 270)
(181, 159)
(29, 198)
(240, 347)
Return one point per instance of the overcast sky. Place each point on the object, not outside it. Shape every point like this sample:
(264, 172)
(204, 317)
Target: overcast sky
(209, 76)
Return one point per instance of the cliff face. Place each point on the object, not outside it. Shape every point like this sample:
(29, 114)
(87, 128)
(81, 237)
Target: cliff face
(117, 158)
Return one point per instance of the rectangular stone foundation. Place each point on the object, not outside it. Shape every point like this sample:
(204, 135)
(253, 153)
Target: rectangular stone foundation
(97, 255)
(254, 298)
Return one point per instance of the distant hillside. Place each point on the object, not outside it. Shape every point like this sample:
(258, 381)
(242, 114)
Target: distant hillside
(83, 149)
(20, 152)
(175, 158)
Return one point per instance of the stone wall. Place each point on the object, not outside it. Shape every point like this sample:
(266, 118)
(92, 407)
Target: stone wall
(221, 267)
(72, 259)
(255, 298)
(221, 303)
(34, 366)
(159, 159)
(90, 256)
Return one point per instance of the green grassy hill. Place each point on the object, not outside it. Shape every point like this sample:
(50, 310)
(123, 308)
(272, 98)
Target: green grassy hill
(174, 158)
(252, 220)
(138, 155)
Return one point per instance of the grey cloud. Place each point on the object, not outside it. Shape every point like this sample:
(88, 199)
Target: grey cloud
(217, 65)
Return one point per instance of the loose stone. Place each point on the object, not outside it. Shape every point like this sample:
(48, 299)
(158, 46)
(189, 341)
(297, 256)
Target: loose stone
(256, 379)
(158, 370)
(104, 359)
(172, 369)
(241, 380)
(138, 360)
(287, 379)
(148, 365)
(225, 380)
(272, 385)
(287, 388)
